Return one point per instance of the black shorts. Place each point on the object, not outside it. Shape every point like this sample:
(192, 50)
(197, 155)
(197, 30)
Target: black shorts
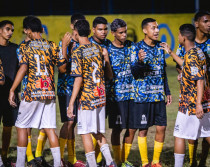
(118, 114)
(144, 115)
(8, 114)
(63, 105)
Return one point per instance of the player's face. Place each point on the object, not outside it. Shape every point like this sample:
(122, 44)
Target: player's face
(203, 24)
(7, 31)
(152, 30)
(121, 34)
(100, 31)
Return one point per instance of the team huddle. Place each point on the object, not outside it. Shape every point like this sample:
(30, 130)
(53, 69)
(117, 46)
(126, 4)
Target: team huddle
(123, 81)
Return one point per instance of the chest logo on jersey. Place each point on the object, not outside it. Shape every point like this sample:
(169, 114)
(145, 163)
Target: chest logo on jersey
(43, 83)
(99, 91)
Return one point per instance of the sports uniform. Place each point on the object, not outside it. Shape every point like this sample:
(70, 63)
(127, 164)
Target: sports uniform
(65, 87)
(120, 89)
(87, 63)
(38, 109)
(150, 86)
(194, 68)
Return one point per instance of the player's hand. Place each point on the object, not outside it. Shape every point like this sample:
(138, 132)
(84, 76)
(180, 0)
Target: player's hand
(70, 110)
(141, 55)
(66, 39)
(179, 77)
(169, 100)
(105, 54)
(165, 47)
(12, 99)
(199, 111)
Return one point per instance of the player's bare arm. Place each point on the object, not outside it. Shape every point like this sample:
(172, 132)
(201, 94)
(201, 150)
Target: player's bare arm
(65, 43)
(199, 108)
(108, 69)
(76, 89)
(19, 77)
(166, 47)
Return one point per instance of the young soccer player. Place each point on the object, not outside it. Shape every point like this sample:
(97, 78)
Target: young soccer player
(150, 87)
(2, 77)
(100, 31)
(9, 60)
(120, 90)
(87, 68)
(202, 41)
(38, 108)
(39, 159)
(191, 122)
(64, 89)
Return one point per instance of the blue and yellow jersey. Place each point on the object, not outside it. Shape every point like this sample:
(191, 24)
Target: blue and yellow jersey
(87, 62)
(104, 44)
(40, 56)
(194, 68)
(21, 49)
(65, 81)
(121, 87)
(149, 85)
(2, 77)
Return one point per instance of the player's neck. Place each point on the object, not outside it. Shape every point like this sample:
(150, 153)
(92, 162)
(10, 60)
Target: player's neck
(189, 45)
(37, 35)
(3, 42)
(83, 41)
(149, 41)
(200, 37)
(96, 39)
(118, 43)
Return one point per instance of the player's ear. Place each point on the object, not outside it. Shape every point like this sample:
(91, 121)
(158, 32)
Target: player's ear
(144, 31)
(72, 26)
(113, 33)
(94, 30)
(196, 24)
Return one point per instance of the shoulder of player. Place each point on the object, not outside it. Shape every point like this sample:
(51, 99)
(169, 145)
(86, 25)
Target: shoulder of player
(11, 44)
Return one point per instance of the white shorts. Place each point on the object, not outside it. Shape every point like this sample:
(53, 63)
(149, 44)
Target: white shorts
(37, 114)
(91, 121)
(190, 127)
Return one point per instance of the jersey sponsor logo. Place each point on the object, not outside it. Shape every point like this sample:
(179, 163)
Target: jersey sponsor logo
(194, 70)
(42, 83)
(143, 119)
(99, 91)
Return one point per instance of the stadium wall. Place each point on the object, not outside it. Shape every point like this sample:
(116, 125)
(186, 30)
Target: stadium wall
(56, 26)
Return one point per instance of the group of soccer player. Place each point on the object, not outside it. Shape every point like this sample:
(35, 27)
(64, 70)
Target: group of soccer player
(97, 78)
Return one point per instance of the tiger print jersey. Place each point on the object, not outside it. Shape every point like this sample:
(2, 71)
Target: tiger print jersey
(21, 49)
(87, 62)
(205, 47)
(194, 68)
(65, 81)
(150, 86)
(2, 77)
(41, 56)
(121, 87)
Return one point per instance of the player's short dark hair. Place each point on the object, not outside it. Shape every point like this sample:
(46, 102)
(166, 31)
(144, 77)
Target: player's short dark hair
(200, 14)
(188, 30)
(146, 21)
(117, 23)
(83, 28)
(33, 23)
(5, 22)
(77, 16)
(99, 20)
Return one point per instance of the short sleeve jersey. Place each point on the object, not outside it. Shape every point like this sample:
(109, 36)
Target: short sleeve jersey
(2, 77)
(21, 49)
(193, 69)
(205, 47)
(40, 56)
(65, 81)
(150, 87)
(121, 86)
(87, 62)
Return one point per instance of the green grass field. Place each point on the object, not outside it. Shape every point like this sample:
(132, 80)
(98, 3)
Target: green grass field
(167, 157)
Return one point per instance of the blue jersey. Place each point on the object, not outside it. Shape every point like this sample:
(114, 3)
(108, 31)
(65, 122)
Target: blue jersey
(19, 52)
(65, 81)
(104, 44)
(121, 87)
(149, 85)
